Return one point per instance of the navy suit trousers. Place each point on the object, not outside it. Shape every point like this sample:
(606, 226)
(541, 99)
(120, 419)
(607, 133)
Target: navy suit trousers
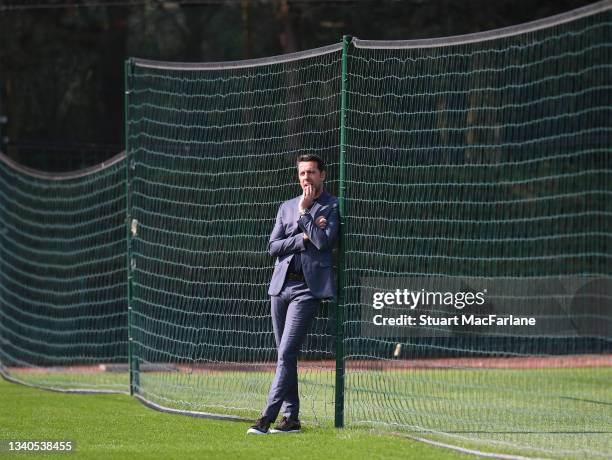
(293, 310)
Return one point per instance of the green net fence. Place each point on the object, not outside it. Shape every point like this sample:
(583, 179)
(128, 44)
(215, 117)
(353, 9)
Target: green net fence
(484, 160)
(63, 310)
(477, 163)
(211, 150)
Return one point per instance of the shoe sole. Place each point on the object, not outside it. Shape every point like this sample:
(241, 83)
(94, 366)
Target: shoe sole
(254, 431)
(285, 431)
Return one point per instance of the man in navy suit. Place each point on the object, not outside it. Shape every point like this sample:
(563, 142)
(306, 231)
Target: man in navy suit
(302, 240)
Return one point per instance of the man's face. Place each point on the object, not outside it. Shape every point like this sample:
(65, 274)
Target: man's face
(309, 174)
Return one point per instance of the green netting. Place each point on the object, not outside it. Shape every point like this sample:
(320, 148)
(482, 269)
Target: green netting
(484, 157)
(212, 152)
(63, 315)
(487, 160)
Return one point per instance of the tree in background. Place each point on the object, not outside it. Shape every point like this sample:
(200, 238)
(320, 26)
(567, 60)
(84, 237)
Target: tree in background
(61, 61)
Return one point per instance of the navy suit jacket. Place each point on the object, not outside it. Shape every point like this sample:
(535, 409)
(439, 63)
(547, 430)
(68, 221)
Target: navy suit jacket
(287, 239)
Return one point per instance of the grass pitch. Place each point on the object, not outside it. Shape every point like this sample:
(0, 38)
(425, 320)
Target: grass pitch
(552, 413)
(117, 426)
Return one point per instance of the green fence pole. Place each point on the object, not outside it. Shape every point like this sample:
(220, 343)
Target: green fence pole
(339, 409)
(130, 229)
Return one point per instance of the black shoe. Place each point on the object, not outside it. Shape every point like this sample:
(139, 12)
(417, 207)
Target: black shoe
(262, 426)
(287, 426)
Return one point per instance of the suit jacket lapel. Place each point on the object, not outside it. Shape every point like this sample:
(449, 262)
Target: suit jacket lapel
(320, 202)
(315, 208)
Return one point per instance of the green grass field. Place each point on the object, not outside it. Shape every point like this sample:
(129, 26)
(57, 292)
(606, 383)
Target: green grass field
(560, 413)
(117, 426)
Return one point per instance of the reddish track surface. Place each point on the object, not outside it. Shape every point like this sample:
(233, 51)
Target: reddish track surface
(529, 362)
(568, 361)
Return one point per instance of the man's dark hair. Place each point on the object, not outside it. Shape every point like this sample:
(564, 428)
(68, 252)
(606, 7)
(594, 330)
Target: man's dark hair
(312, 157)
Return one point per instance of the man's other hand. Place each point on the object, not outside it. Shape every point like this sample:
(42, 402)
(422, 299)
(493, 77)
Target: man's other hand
(320, 222)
